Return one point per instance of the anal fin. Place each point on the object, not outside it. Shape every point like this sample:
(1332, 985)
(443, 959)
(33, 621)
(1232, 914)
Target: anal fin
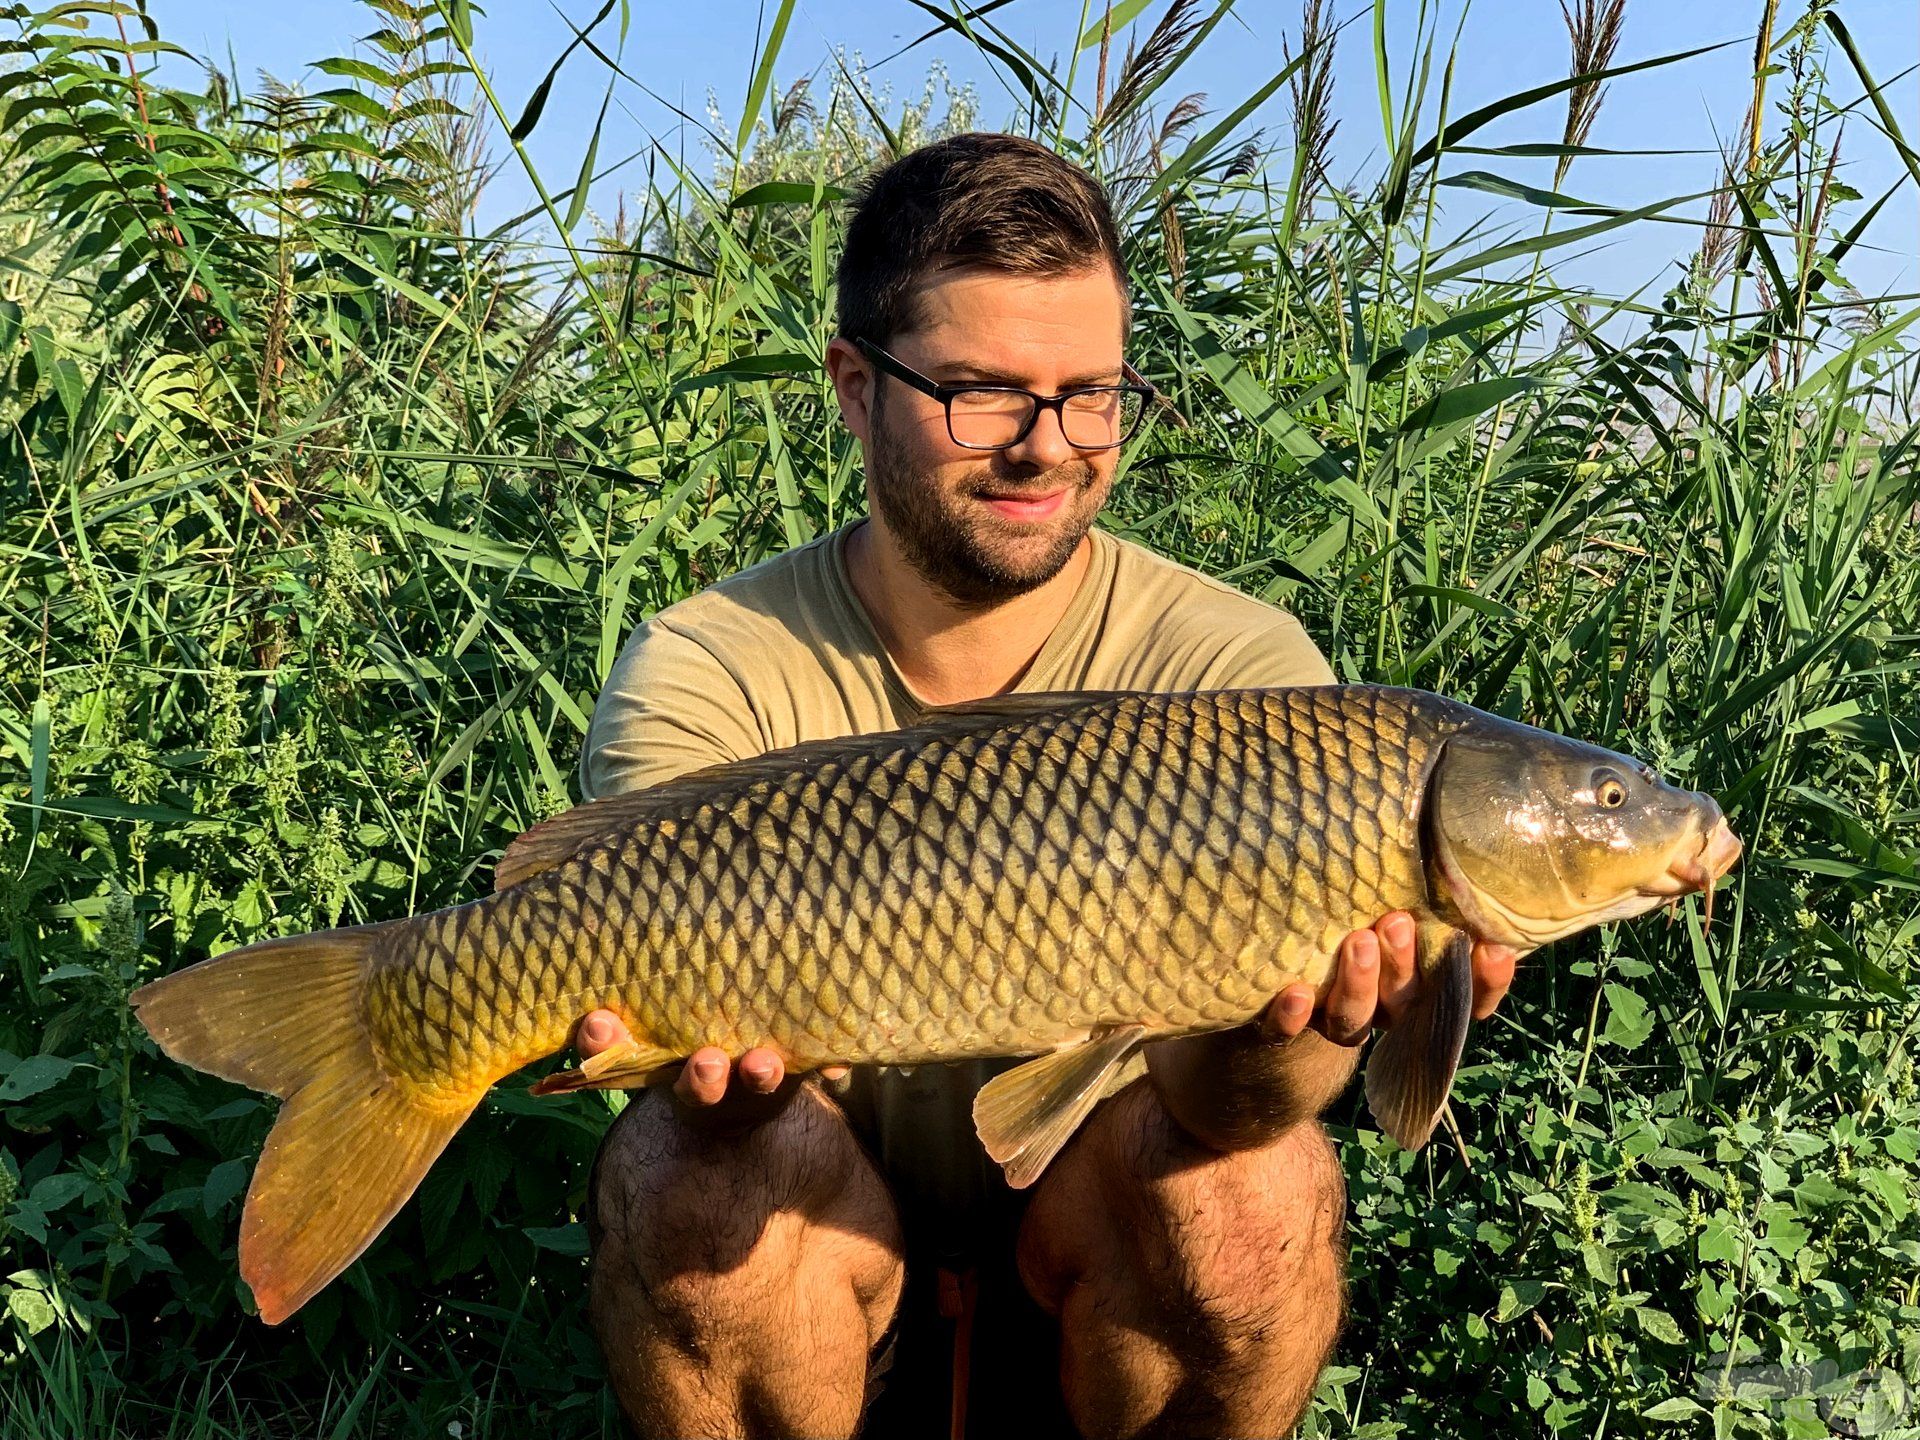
(1413, 1062)
(622, 1066)
(1026, 1116)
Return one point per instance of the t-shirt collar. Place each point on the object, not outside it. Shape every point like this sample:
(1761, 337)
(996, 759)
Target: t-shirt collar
(1070, 635)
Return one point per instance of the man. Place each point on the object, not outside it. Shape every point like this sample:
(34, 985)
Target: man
(753, 1234)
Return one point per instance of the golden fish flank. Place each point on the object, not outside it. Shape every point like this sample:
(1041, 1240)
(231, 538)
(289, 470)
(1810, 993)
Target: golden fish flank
(1064, 873)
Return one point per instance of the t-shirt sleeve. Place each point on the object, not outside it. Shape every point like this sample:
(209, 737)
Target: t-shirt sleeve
(669, 707)
(1276, 652)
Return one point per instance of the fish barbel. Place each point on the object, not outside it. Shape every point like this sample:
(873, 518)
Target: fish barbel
(1064, 875)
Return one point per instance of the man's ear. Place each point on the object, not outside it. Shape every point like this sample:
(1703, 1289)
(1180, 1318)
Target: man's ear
(853, 382)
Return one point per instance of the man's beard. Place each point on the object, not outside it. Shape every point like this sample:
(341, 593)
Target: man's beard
(960, 547)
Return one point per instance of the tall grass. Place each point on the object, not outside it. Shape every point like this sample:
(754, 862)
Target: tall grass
(325, 512)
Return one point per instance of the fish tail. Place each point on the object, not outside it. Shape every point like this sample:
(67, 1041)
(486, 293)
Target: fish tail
(351, 1142)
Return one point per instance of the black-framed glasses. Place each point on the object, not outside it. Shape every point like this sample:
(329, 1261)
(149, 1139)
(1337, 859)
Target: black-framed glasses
(996, 417)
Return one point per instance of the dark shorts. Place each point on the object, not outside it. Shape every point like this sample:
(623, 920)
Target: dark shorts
(958, 1214)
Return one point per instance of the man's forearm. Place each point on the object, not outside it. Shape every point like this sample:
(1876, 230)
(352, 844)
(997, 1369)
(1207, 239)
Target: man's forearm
(1236, 1089)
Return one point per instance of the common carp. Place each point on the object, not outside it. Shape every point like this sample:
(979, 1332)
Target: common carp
(1062, 875)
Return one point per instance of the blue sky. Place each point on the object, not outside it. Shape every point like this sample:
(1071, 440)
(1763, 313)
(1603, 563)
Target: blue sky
(684, 50)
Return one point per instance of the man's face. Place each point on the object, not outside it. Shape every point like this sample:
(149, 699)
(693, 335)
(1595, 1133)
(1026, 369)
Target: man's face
(987, 525)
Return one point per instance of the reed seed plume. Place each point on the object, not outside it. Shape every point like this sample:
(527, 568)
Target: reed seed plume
(1187, 110)
(1311, 90)
(1593, 28)
(1161, 50)
(1720, 239)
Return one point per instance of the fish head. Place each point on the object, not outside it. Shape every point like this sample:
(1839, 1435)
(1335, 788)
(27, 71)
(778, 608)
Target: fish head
(1532, 837)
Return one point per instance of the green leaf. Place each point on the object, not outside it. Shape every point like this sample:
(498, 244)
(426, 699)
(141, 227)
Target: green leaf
(252, 905)
(1678, 1407)
(1517, 1297)
(223, 1185)
(787, 192)
(1453, 595)
(1629, 1022)
(537, 102)
(1720, 1239)
(347, 69)
(34, 1074)
(32, 1309)
(1457, 130)
(58, 1190)
(42, 742)
(1110, 25)
(1465, 402)
(561, 1239)
(578, 205)
(1659, 1325)
(762, 77)
(747, 367)
(1876, 95)
(1786, 1232)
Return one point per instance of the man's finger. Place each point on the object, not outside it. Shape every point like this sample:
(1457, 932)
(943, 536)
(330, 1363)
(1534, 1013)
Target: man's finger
(1493, 967)
(598, 1030)
(1347, 1013)
(703, 1079)
(1398, 978)
(762, 1070)
(1289, 1014)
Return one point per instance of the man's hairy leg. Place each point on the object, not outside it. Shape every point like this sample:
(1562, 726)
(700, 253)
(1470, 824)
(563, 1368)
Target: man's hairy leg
(739, 1283)
(1198, 1294)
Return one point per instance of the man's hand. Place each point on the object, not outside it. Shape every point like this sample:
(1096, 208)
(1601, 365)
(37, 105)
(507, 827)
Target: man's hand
(714, 1094)
(1375, 980)
(1235, 1089)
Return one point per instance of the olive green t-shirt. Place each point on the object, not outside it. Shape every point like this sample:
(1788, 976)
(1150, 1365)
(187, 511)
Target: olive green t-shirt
(785, 652)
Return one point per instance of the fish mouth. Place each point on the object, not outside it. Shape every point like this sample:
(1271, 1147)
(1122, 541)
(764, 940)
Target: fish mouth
(1719, 851)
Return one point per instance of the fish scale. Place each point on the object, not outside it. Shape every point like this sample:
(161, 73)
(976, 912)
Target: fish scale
(987, 888)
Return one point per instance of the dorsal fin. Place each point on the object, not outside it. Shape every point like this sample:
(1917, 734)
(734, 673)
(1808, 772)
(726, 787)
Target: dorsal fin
(553, 841)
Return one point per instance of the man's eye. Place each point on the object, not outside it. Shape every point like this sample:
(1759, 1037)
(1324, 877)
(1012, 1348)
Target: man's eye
(988, 402)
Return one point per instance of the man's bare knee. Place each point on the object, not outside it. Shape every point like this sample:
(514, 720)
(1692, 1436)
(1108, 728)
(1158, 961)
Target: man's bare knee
(1196, 1293)
(739, 1284)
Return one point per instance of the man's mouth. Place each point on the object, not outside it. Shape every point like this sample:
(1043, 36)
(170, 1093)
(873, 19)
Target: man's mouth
(1028, 507)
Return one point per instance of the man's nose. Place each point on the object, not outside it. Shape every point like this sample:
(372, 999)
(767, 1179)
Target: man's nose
(1045, 445)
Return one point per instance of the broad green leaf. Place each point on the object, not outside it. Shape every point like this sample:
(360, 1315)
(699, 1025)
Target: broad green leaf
(1629, 1021)
(32, 1075)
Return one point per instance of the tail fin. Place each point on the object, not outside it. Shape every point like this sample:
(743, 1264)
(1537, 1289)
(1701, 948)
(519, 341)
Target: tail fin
(351, 1143)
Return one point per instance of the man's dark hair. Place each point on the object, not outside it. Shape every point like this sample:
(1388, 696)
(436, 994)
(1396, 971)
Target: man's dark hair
(1000, 202)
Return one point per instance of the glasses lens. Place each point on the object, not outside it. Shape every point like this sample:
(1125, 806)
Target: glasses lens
(1095, 418)
(988, 419)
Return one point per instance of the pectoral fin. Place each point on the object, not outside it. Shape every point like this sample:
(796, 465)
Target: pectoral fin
(624, 1066)
(1411, 1069)
(1026, 1116)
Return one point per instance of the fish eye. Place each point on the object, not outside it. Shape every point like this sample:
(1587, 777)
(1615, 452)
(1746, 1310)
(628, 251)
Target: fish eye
(1609, 789)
